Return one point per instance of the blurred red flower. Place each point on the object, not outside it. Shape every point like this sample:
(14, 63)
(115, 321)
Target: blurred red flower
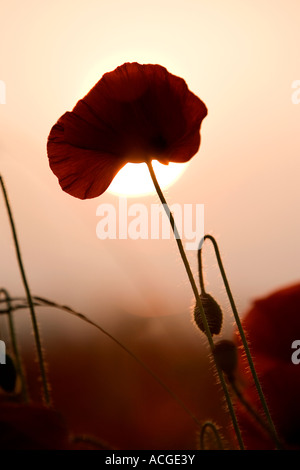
(271, 326)
(134, 114)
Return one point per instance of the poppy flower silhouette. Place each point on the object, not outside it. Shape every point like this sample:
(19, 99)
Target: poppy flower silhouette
(134, 114)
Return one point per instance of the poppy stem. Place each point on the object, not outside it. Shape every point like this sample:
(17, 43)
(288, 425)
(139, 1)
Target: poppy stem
(15, 344)
(204, 432)
(29, 298)
(200, 271)
(255, 414)
(242, 334)
(198, 301)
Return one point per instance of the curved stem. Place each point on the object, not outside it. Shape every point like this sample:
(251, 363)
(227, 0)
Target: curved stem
(198, 300)
(29, 298)
(15, 348)
(200, 272)
(243, 337)
(213, 428)
(96, 443)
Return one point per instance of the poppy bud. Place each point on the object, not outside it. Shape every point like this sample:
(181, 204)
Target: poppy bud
(212, 312)
(225, 353)
(8, 375)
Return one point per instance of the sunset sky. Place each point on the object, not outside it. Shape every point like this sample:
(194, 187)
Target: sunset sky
(241, 59)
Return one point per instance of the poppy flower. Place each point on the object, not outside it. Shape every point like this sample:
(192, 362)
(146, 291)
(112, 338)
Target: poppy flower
(135, 113)
(271, 326)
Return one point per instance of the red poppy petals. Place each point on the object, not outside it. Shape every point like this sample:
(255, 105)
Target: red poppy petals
(81, 172)
(271, 326)
(281, 385)
(185, 148)
(274, 322)
(134, 114)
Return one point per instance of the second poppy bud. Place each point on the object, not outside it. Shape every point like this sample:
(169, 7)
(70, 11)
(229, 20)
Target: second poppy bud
(226, 356)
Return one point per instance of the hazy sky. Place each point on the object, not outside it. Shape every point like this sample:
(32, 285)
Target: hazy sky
(241, 59)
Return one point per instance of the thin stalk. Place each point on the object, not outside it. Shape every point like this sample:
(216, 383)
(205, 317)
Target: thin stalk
(15, 348)
(212, 427)
(243, 337)
(29, 298)
(200, 272)
(254, 414)
(198, 300)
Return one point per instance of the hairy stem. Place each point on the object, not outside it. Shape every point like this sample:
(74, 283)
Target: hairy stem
(204, 430)
(198, 300)
(255, 414)
(243, 338)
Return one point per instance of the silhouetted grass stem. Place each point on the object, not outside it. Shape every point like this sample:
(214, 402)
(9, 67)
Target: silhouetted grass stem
(29, 298)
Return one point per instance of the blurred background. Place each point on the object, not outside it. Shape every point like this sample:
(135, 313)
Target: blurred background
(241, 59)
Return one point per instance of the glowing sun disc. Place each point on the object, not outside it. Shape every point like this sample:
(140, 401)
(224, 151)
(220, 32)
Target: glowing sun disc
(134, 179)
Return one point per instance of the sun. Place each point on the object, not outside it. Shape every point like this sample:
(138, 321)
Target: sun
(134, 178)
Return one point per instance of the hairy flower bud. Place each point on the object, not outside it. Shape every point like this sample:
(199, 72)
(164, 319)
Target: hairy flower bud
(225, 352)
(212, 312)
